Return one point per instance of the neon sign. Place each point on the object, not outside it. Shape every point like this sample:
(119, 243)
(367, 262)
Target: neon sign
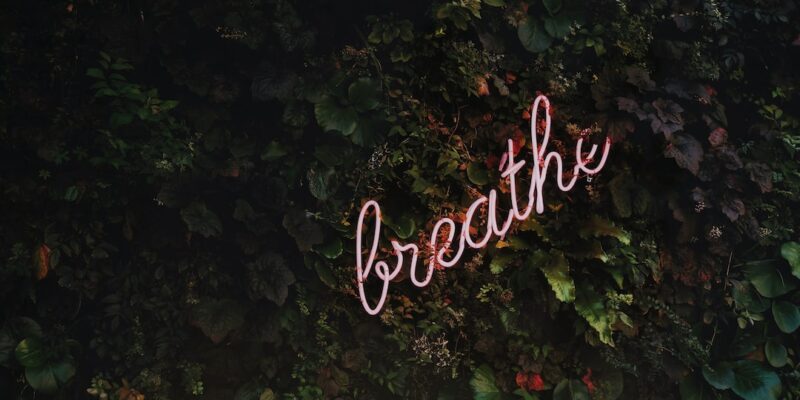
(494, 227)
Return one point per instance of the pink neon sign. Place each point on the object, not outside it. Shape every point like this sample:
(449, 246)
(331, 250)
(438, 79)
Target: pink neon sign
(493, 228)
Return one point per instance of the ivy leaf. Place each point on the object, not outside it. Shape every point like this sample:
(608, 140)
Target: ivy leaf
(776, 353)
(791, 252)
(217, 318)
(786, 315)
(755, 382)
(269, 278)
(483, 384)
(364, 94)
(333, 117)
(305, 232)
(720, 377)
(477, 174)
(767, 280)
(639, 77)
(533, 35)
(570, 389)
(687, 152)
(201, 220)
(597, 226)
(556, 270)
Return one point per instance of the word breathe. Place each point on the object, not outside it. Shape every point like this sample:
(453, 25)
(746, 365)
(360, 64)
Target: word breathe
(493, 225)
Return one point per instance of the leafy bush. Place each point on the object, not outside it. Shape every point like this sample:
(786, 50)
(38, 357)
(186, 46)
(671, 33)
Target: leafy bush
(181, 183)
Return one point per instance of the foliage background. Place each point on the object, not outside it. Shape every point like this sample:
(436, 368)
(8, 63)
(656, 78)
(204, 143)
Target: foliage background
(180, 182)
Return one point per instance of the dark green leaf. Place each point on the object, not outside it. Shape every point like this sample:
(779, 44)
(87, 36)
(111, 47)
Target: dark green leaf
(787, 316)
(776, 353)
(364, 94)
(217, 318)
(720, 376)
(483, 384)
(270, 278)
(201, 220)
(533, 36)
(570, 389)
(305, 232)
(791, 252)
(753, 381)
(333, 117)
(767, 279)
(477, 174)
(30, 352)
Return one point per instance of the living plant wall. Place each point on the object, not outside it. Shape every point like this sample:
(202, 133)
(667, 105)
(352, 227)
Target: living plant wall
(181, 181)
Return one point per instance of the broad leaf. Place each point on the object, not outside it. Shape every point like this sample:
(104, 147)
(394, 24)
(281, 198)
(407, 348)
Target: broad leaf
(558, 26)
(477, 174)
(31, 352)
(767, 279)
(571, 389)
(687, 152)
(217, 318)
(776, 353)
(552, 6)
(333, 117)
(268, 277)
(533, 36)
(49, 377)
(720, 376)
(201, 220)
(753, 381)
(791, 252)
(364, 94)
(787, 316)
(305, 232)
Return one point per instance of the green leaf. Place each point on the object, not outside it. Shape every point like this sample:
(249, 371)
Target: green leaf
(30, 353)
(305, 232)
(589, 305)
(370, 132)
(786, 315)
(333, 117)
(404, 226)
(533, 35)
(791, 252)
(556, 270)
(477, 174)
(767, 279)
(495, 3)
(755, 382)
(776, 353)
(483, 384)
(321, 184)
(499, 261)
(268, 277)
(745, 296)
(597, 226)
(720, 376)
(552, 6)
(217, 318)
(571, 389)
(692, 388)
(95, 73)
(558, 26)
(331, 249)
(201, 220)
(364, 94)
